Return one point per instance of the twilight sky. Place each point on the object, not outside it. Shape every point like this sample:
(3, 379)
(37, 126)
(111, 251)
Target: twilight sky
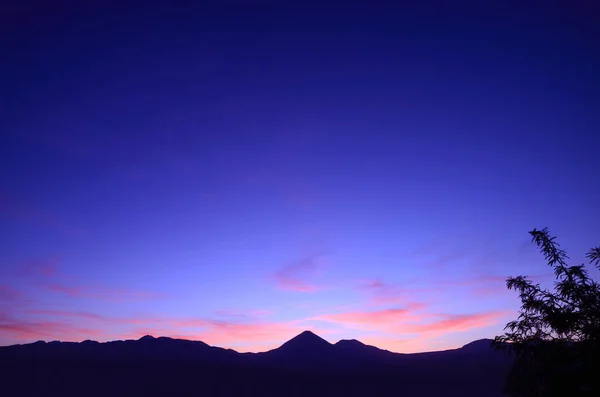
(238, 173)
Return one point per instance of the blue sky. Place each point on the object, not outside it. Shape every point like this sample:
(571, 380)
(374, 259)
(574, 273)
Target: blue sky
(239, 173)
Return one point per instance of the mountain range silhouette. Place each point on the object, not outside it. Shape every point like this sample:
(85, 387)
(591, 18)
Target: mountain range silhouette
(305, 365)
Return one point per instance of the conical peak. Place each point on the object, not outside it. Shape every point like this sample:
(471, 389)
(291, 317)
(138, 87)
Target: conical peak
(306, 339)
(308, 334)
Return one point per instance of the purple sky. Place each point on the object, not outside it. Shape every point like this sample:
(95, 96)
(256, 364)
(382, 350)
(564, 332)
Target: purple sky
(237, 174)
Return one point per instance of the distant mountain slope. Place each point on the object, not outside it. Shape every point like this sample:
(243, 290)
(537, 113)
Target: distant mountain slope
(354, 347)
(304, 365)
(303, 346)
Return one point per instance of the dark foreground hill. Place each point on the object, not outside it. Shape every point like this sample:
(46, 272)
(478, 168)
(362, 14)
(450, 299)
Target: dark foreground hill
(304, 366)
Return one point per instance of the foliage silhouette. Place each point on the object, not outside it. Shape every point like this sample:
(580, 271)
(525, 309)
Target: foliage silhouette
(556, 336)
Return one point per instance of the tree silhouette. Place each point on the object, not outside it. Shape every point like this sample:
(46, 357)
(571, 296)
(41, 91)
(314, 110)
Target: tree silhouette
(556, 336)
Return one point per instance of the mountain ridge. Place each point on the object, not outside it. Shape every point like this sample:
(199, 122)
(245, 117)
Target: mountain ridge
(302, 340)
(305, 365)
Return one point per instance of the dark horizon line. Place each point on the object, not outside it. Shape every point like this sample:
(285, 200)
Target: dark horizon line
(305, 333)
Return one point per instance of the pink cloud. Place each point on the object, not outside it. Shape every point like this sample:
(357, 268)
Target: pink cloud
(98, 320)
(382, 293)
(480, 285)
(16, 330)
(298, 276)
(394, 326)
(244, 314)
(413, 319)
(243, 337)
(12, 298)
(100, 293)
(191, 323)
(484, 286)
(244, 329)
(399, 343)
(65, 313)
(44, 273)
(412, 344)
(441, 252)
(122, 295)
(375, 318)
(446, 259)
(40, 267)
(374, 284)
(9, 294)
(63, 289)
(290, 284)
(251, 336)
(37, 269)
(455, 322)
(482, 279)
(33, 324)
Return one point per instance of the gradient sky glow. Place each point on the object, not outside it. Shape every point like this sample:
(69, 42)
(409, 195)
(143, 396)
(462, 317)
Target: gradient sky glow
(237, 174)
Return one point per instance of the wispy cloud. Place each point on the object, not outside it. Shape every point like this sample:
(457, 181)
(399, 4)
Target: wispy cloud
(409, 343)
(242, 314)
(64, 289)
(413, 319)
(244, 334)
(39, 267)
(381, 293)
(383, 320)
(396, 313)
(385, 328)
(247, 330)
(66, 313)
(45, 274)
(23, 326)
(19, 210)
(97, 320)
(454, 322)
(19, 330)
(9, 294)
(299, 276)
(102, 293)
(243, 337)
